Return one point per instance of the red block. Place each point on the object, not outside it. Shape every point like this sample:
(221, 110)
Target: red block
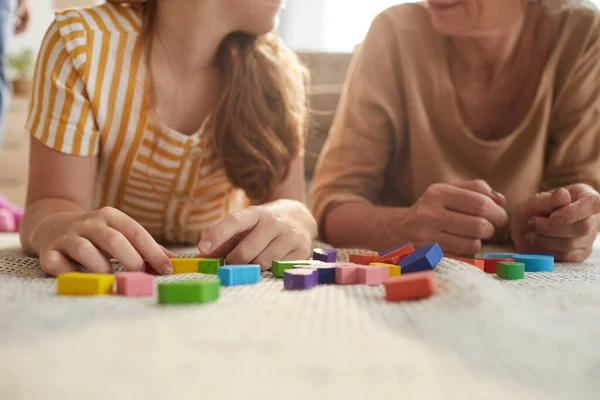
(476, 262)
(398, 253)
(135, 284)
(418, 285)
(363, 259)
(149, 270)
(490, 263)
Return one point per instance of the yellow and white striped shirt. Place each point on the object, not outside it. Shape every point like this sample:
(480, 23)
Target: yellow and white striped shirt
(90, 98)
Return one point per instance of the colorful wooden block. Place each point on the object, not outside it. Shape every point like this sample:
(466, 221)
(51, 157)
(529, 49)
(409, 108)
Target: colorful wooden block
(510, 270)
(231, 275)
(189, 292)
(149, 270)
(185, 265)
(499, 255)
(369, 275)
(135, 284)
(325, 255)
(476, 262)
(536, 262)
(393, 270)
(399, 252)
(391, 250)
(413, 286)
(277, 266)
(389, 260)
(84, 284)
(325, 273)
(300, 278)
(422, 259)
(209, 265)
(346, 274)
(363, 259)
(490, 264)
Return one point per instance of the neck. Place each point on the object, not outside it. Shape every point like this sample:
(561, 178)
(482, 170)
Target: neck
(189, 33)
(488, 52)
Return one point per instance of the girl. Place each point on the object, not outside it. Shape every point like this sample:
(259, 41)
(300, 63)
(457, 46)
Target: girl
(163, 120)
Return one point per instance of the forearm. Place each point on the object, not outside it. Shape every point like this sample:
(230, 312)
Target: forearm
(362, 225)
(43, 220)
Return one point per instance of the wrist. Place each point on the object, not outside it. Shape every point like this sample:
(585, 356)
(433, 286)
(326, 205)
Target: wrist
(48, 229)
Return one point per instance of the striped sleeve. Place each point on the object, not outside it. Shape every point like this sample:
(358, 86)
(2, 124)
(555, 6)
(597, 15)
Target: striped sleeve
(60, 114)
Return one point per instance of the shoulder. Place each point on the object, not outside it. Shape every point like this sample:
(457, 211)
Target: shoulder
(579, 28)
(107, 18)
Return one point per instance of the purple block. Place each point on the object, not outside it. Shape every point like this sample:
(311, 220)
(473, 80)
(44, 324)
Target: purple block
(325, 255)
(383, 253)
(326, 272)
(300, 278)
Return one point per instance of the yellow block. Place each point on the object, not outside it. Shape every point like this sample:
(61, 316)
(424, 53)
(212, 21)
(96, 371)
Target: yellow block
(395, 270)
(185, 265)
(79, 283)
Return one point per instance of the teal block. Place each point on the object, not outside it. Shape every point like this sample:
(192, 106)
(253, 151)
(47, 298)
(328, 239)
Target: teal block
(536, 262)
(231, 275)
(510, 270)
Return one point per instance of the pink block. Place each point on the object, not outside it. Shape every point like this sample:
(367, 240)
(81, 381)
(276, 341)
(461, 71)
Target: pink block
(367, 275)
(385, 272)
(346, 274)
(135, 284)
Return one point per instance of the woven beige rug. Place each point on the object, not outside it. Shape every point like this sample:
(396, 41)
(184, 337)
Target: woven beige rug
(477, 338)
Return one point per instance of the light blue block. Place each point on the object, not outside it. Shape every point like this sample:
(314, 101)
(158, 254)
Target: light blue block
(536, 262)
(231, 275)
(499, 255)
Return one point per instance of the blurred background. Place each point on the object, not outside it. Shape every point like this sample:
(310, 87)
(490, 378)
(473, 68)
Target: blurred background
(323, 32)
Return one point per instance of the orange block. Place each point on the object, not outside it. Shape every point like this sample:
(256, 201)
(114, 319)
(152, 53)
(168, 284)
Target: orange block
(418, 285)
(398, 253)
(363, 259)
(476, 262)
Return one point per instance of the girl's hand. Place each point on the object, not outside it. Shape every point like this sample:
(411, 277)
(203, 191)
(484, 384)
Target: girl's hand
(458, 216)
(282, 230)
(91, 239)
(563, 222)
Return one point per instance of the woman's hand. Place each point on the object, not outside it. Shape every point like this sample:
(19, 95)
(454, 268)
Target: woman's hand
(563, 222)
(91, 239)
(282, 230)
(457, 216)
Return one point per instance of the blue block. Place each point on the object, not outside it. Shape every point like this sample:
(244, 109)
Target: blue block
(383, 253)
(499, 255)
(325, 255)
(239, 274)
(422, 259)
(536, 262)
(325, 273)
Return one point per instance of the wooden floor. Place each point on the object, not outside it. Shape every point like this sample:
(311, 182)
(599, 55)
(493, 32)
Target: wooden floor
(14, 154)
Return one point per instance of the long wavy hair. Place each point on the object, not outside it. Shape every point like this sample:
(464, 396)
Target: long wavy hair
(260, 120)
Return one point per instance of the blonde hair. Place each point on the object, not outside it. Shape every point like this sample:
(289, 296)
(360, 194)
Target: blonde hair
(260, 120)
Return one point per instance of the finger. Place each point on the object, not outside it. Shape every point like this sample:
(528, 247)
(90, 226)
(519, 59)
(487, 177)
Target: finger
(465, 225)
(232, 225)
(458, 245)
(585, 207)
(276, 250)
(141, 240)
(54, 263)
(543, 204)
(115, 244)
(82, 251)
(168, 252)
(481, 186)
(559, 245)
(472, 203)
(576, 256)
(255, 242)
(542, 226)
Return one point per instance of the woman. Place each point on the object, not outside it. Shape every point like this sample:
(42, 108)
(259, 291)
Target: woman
(151, 122)
(450, 103)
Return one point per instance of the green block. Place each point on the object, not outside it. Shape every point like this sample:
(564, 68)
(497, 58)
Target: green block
(277, 267)
(510, 270)
(188, 292)
(209, 265)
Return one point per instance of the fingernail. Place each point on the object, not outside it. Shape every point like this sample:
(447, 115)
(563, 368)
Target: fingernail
(205, 246)
(497, 194)
(558, 221)
(167, 269)
(531, 224)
